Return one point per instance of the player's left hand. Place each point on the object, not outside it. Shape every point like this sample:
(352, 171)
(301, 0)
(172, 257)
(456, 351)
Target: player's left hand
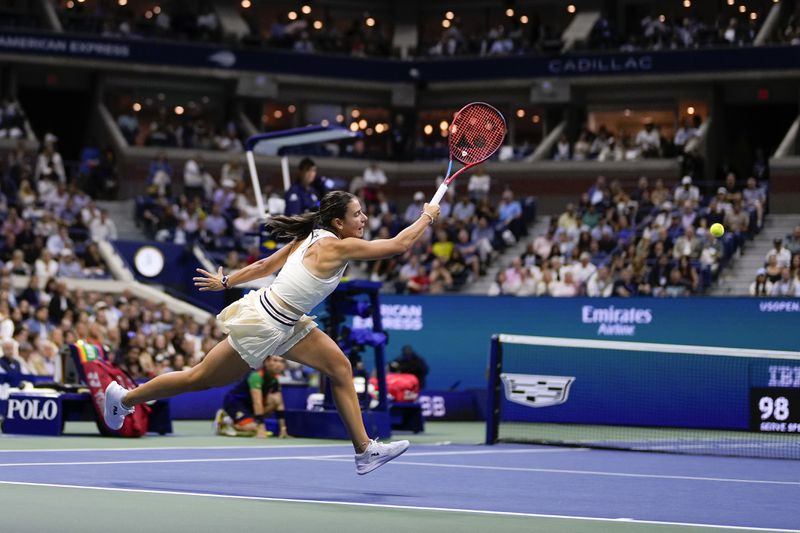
(209, 281)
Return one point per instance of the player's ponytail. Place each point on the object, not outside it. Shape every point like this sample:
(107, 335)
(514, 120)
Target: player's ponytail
(297, 227)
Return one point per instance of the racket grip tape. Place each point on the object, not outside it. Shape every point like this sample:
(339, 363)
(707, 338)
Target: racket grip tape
(440, 192)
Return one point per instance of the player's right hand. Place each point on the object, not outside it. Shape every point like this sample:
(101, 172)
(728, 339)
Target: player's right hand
(432, 210)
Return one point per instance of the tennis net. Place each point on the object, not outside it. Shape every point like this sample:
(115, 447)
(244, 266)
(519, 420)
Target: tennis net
(643, 396)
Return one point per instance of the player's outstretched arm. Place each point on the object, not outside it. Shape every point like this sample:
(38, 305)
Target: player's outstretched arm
(352, 248)
(260, 269)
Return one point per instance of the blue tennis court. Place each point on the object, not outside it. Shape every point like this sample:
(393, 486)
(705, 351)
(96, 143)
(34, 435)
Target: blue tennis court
(506, 487)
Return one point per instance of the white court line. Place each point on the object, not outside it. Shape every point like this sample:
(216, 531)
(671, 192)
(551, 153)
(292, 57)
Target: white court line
(252, 447)
(397, 507)
(576, 472)
(347, 457)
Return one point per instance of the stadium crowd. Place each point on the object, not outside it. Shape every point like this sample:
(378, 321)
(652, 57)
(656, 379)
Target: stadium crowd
(220, 213)
(648, 142)
(50, 226)
(143, 337)
(499, 31)
(164, 129)
(653, 241)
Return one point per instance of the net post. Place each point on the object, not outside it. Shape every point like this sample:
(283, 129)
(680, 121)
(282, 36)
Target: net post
(493, 396)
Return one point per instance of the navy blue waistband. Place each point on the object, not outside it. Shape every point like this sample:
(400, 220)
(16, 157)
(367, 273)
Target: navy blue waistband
(277, 315)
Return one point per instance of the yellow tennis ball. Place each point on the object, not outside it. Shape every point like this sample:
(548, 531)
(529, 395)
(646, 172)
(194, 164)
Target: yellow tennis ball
(717, 230)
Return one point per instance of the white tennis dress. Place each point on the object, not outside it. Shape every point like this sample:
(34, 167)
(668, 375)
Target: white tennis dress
(257, 326)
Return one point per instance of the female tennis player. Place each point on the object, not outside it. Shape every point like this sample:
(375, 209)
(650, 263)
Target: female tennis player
(273, 321)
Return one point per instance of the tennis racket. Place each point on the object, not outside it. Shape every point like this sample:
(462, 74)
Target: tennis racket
(477, 131)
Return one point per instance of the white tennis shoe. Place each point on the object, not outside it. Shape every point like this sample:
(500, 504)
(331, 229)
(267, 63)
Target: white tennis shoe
(378, 454)
(114, 412)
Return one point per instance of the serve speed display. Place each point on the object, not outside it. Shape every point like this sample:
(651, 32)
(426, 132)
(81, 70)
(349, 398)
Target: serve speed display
(775, 410)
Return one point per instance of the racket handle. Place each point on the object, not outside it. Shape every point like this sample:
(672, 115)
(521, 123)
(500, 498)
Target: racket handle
(439, 194)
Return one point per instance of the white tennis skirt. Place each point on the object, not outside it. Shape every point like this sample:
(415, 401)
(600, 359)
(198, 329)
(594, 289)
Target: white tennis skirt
(257, 328)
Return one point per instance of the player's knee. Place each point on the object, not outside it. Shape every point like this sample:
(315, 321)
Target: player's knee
(341, 371)
(199, 380)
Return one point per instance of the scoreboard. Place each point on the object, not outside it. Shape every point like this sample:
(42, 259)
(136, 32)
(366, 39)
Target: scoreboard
(775, 409)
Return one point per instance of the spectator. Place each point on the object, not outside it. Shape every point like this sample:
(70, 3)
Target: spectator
(510, 216)
(232, 170)
(10, 363)
(687, 245)
(17, 265)
(683, 135)
(676, 286)
(584, 270)
(60, 303)
(513, 276)
(582, 148)
(497, 286)
(601, 283)
(215, 226)
(49, 361)
(625, 286)
(93, 263)
(443, 247)
(793, 241)
(415, 208)
(562, 149)
(38, 325)
(723, 205)
(420, 283)
(49, 167)
(568, 221)
(754, 198)
(686, 193)
(103, 228)
(661, 194)
(440, 278)
(761, 286)
(688, 215)
(737, 222)
(407, 271)
(159, 176)
(129, 127)
(781, 254)
(479, 184)
(69, 267)
(688, 273)
(196, 179)
(733, 188)
(598, 193)
(648, 140)
(374, 177)
(226, 196)
(464, 210)
(712, 251)
(302, 197)
(409, 362)
(785, 286)
(57, 242)
(773, 269)
(566, 287)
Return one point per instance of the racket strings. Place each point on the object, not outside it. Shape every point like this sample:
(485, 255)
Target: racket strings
(476, 133)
